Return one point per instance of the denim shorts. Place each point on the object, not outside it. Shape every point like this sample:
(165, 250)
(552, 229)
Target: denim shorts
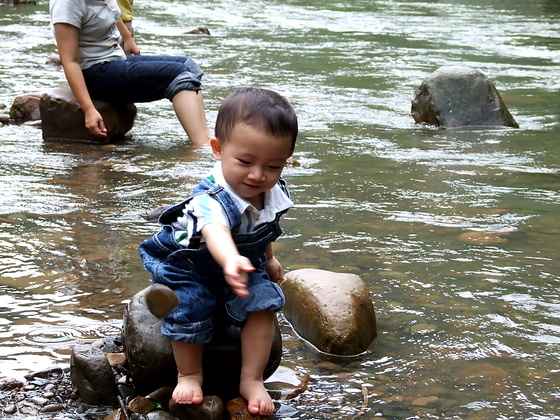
(202, 295)
(142, 78)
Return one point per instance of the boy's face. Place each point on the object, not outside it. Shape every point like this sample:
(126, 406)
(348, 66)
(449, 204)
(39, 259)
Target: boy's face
(252, 161)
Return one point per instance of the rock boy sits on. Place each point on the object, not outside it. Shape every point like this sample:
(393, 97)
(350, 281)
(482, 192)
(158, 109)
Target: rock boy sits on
(215, 249)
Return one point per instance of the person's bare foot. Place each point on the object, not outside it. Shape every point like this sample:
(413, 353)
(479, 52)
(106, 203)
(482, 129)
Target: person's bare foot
(188, 390)
(258, 399)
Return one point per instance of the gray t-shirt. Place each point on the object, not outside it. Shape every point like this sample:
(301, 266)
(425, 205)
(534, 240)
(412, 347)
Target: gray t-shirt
(98, 39)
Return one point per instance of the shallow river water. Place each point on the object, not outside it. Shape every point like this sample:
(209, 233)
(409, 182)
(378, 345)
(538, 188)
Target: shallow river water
(454, 231)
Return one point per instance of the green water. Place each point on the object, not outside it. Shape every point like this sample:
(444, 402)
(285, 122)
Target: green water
(454, 231)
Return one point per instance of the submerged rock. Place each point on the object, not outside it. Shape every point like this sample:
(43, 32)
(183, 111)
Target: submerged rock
(200, 30)
(456, 96)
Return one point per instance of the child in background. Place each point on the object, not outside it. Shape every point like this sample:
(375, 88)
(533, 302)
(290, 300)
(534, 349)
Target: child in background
(126, 14)
(215, 249)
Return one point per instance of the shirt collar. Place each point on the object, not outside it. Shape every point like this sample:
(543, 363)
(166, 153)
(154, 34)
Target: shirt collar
(274, 196)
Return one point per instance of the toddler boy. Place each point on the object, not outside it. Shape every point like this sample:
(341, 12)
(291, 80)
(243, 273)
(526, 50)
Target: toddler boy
(215, 248)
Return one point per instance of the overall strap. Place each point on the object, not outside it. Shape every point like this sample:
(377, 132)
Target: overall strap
(218, 193)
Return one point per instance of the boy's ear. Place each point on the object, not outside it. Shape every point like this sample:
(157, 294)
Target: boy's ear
(216, 148)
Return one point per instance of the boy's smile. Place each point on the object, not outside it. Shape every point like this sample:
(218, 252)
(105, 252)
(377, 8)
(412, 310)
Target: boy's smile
(252, 161)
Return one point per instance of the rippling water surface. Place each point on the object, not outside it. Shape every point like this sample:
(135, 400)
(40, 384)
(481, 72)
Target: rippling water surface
(454, 231)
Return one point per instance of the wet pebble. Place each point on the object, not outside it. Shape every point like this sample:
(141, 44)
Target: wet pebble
(28, 410)
(39, 400)
(484, 238)
(9, 383)
(51, 408)
(10, 409)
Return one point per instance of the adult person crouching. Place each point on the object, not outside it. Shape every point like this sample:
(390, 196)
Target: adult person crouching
(96, 67)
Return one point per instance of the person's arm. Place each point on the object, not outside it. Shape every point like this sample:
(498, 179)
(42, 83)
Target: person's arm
(223, 249)
(66, 37)
(273, 267)
(130, 47)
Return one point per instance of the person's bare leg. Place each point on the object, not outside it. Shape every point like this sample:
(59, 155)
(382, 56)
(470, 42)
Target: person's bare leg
(256, 341)
(189, 107)
(188, 358)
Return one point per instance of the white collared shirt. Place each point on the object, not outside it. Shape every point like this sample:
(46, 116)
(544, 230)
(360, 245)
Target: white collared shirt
(203, 210)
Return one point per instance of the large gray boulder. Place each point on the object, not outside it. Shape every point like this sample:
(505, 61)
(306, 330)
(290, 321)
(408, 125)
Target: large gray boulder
(332, 311)
(150, 356)
(456, 96)
(63, 118)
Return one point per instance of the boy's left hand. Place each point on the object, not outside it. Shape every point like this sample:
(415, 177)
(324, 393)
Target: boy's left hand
(274, 270)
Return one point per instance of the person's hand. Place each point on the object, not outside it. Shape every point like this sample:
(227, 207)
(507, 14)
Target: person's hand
(130, 47)
(95, 124)
(274, 270)
(235, 272)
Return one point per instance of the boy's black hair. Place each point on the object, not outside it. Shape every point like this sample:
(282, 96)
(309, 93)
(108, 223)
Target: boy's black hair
(261, 108)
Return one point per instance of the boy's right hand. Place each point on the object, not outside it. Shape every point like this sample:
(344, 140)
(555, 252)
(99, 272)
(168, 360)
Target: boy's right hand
(235, 272)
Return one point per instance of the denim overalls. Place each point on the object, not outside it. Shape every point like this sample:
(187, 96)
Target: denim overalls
(199, 281)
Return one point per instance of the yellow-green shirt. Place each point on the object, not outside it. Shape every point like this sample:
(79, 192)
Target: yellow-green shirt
(126, 9)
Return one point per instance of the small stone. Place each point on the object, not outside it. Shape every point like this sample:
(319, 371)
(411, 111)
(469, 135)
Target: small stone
(211, 408)
(48, 394)
(51, 408)
(161, 397)
(39, 400)
(115, 415)
(116, 359)
(29, 387)
(422, 328)
(201, 30)
(286, 383)
(127, 393)
(141, 405)
(7, 384)
(238, 409)
(26, 108)
(483, 238)
(423, 401)
(10, 409)
(28, 410)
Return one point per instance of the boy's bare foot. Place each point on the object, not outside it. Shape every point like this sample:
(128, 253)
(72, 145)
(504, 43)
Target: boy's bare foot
(188, 389)
(259, 401)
